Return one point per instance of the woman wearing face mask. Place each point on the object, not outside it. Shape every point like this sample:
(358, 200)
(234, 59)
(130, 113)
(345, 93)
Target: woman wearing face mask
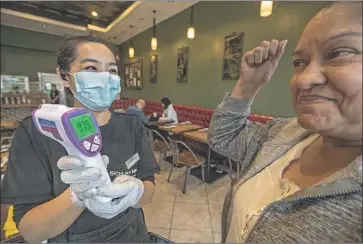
(169, 111)
(301, 178)
(49, 189)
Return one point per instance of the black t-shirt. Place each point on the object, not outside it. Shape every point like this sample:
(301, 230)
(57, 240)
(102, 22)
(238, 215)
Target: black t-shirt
(32, 175)
(54, 94)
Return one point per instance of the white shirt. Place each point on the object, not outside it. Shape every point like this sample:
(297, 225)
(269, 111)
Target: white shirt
(268, 186)
(171, 114)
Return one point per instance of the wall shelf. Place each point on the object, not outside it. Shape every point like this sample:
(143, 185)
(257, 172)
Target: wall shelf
(19, 105)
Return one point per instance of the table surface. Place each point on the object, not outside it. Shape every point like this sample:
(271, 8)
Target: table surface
(180, 128)
(9, 124)
(199, 136)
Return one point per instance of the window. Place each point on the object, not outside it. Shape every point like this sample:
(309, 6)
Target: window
(14, 83)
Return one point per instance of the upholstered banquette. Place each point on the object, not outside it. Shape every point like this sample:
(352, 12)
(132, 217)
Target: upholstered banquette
(196, 115)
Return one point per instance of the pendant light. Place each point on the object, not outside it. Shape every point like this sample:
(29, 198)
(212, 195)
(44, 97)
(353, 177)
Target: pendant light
(131, 48)
(266, 8)
(191, 29)
(154, 41)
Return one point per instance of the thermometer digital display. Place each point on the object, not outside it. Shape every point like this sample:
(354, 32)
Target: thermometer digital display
(76, 129)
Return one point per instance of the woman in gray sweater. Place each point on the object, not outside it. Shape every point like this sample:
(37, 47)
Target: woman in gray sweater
(301, 178)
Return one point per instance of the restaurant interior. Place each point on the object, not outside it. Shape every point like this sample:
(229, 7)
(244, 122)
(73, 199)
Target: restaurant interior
(188, 51)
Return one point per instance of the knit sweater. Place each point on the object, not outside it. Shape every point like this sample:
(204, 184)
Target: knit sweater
(329, 212)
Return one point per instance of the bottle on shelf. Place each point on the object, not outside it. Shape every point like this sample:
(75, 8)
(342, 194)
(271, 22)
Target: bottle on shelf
(23, 99)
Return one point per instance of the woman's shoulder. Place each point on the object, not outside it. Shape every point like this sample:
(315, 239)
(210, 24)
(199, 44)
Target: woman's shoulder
(126, 119)
(27, 125)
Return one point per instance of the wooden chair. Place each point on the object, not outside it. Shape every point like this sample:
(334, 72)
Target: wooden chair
(5, 143)
(160, 146)
(186, 158)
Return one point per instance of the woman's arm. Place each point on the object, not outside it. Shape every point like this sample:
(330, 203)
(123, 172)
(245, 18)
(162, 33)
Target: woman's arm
(170, 112)
(49, 219)
(149, 189)
(230, 133)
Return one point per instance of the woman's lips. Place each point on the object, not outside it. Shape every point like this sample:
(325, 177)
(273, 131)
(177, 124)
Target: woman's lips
(313, 99)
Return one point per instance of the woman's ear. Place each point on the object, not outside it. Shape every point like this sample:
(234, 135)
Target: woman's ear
(63, 77)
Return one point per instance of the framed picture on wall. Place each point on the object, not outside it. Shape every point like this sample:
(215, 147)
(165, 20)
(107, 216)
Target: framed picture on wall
(182, 64)
(154, 68)
(233, 48)
(133, 75)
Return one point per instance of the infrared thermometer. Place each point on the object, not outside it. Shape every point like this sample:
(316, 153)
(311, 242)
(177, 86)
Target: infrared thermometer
(76, 129)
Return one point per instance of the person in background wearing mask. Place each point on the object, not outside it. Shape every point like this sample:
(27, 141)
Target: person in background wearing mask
(138, 110)
(54, 95)
(48, 188)
(169, 112)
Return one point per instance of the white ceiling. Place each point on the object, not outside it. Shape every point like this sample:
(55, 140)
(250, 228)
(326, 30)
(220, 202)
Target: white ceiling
(139, 15)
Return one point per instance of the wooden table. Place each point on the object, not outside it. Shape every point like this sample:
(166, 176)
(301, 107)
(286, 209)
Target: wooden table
(199, 136)
(202, 137)
(180, 128)
(8, 124)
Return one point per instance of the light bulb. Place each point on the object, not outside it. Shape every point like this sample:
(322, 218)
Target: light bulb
(266, 8)
(191, 32)
(131, 52)
(154, 43)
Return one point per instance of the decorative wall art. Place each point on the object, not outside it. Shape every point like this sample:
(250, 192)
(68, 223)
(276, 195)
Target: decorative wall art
(182, 64)
(233, 48)
(154, 68)
(133, 75)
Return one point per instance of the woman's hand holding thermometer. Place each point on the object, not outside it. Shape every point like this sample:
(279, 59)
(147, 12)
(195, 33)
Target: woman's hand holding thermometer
(78, 132)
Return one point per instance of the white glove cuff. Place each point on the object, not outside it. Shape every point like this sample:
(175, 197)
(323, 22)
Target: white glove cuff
(141, 184)
(77, 201)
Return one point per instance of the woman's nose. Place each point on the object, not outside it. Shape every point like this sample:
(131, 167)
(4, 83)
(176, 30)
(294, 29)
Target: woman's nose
(311, 76)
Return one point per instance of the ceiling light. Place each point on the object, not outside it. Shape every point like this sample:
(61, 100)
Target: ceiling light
(191, 29)
(266, 8)
(131, 48)
(94, 14)
(191, 32)
(154, 41)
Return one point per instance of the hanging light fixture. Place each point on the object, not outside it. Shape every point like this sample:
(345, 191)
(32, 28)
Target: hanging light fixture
(266, 8)
(131, 48)
(154, 41)
(191, 29)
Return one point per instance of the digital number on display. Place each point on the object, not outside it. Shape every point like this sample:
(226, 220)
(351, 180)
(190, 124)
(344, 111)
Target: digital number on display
(83, 125)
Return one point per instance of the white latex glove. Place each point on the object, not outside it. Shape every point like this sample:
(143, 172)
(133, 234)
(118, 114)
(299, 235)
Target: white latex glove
(82, 180)
(125, 191)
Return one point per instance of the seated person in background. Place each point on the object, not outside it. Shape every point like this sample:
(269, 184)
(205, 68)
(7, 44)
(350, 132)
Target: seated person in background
(301, 178)
(138, 110)
(54, 95)
(169, 112)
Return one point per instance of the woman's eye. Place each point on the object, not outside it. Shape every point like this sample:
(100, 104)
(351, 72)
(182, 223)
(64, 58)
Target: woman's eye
(113, 71)
(339, 53)
(299, 63)
(90, 69)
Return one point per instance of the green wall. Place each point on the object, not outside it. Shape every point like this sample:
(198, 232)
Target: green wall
(213, 21)
(26, 52)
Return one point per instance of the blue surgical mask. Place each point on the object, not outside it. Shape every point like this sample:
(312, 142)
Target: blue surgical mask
(96, 90)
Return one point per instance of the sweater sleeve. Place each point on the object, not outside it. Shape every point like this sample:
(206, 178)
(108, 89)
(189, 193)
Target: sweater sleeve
(231, 133)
